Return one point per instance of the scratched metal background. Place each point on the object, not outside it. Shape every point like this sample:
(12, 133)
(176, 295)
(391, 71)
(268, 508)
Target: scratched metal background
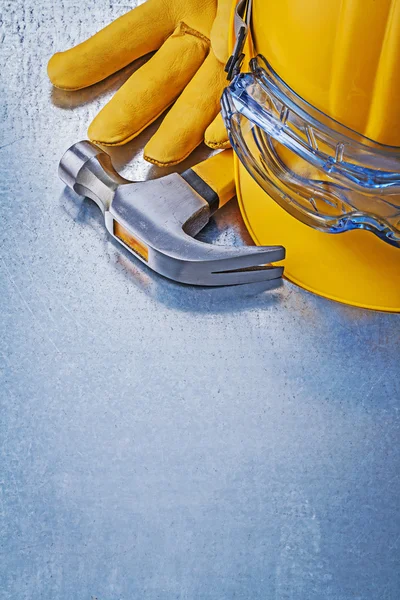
(159, 441)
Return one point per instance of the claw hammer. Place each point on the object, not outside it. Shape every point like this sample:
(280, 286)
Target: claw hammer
(157, 220)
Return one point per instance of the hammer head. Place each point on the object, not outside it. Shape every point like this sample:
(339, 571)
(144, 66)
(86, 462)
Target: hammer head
(157, 219)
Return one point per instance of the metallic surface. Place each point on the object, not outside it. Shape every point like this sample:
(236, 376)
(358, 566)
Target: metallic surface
(161, 216)
(160, 441)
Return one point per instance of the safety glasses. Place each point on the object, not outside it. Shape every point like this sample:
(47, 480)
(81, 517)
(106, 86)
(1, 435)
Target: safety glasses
(323, 173)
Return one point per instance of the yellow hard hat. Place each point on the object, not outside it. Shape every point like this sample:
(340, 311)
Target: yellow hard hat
(316, 126)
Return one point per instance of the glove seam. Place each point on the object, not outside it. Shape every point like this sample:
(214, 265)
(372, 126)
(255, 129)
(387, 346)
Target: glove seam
(194, 32)
(72, 89)
(133, 135)
(171, 163)
(218, 145)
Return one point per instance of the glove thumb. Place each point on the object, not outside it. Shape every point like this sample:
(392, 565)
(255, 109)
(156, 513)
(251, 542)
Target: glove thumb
(220, 30)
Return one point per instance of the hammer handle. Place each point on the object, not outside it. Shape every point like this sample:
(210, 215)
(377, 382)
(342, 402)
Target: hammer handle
(218, 176)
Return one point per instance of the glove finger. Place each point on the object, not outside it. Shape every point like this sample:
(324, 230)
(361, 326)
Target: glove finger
(142, 30)
(216, 136)
(220, 30)
(183, 128)
(151, 89)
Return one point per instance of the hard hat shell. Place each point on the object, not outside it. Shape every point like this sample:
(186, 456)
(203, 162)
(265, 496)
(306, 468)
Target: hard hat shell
(341, 57)
(344, 59)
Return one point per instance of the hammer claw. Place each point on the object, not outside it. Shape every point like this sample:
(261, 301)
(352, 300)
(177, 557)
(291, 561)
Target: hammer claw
(251, 258)
(249, 275)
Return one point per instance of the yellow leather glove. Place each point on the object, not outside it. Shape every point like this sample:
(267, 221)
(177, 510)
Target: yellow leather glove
(190, 37)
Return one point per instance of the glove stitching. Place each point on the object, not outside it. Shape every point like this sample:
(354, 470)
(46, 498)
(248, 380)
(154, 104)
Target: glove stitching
(133, 135)
(72, 89)
(186, 29)
(171, 163)
(218, 145)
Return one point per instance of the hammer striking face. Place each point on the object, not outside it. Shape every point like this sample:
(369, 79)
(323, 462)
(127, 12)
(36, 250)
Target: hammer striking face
(157, 219)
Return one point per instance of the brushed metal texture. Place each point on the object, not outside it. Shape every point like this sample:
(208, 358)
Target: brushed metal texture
(160, 441)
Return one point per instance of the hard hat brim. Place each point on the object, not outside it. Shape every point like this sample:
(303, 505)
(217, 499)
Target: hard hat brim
(355, 268)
